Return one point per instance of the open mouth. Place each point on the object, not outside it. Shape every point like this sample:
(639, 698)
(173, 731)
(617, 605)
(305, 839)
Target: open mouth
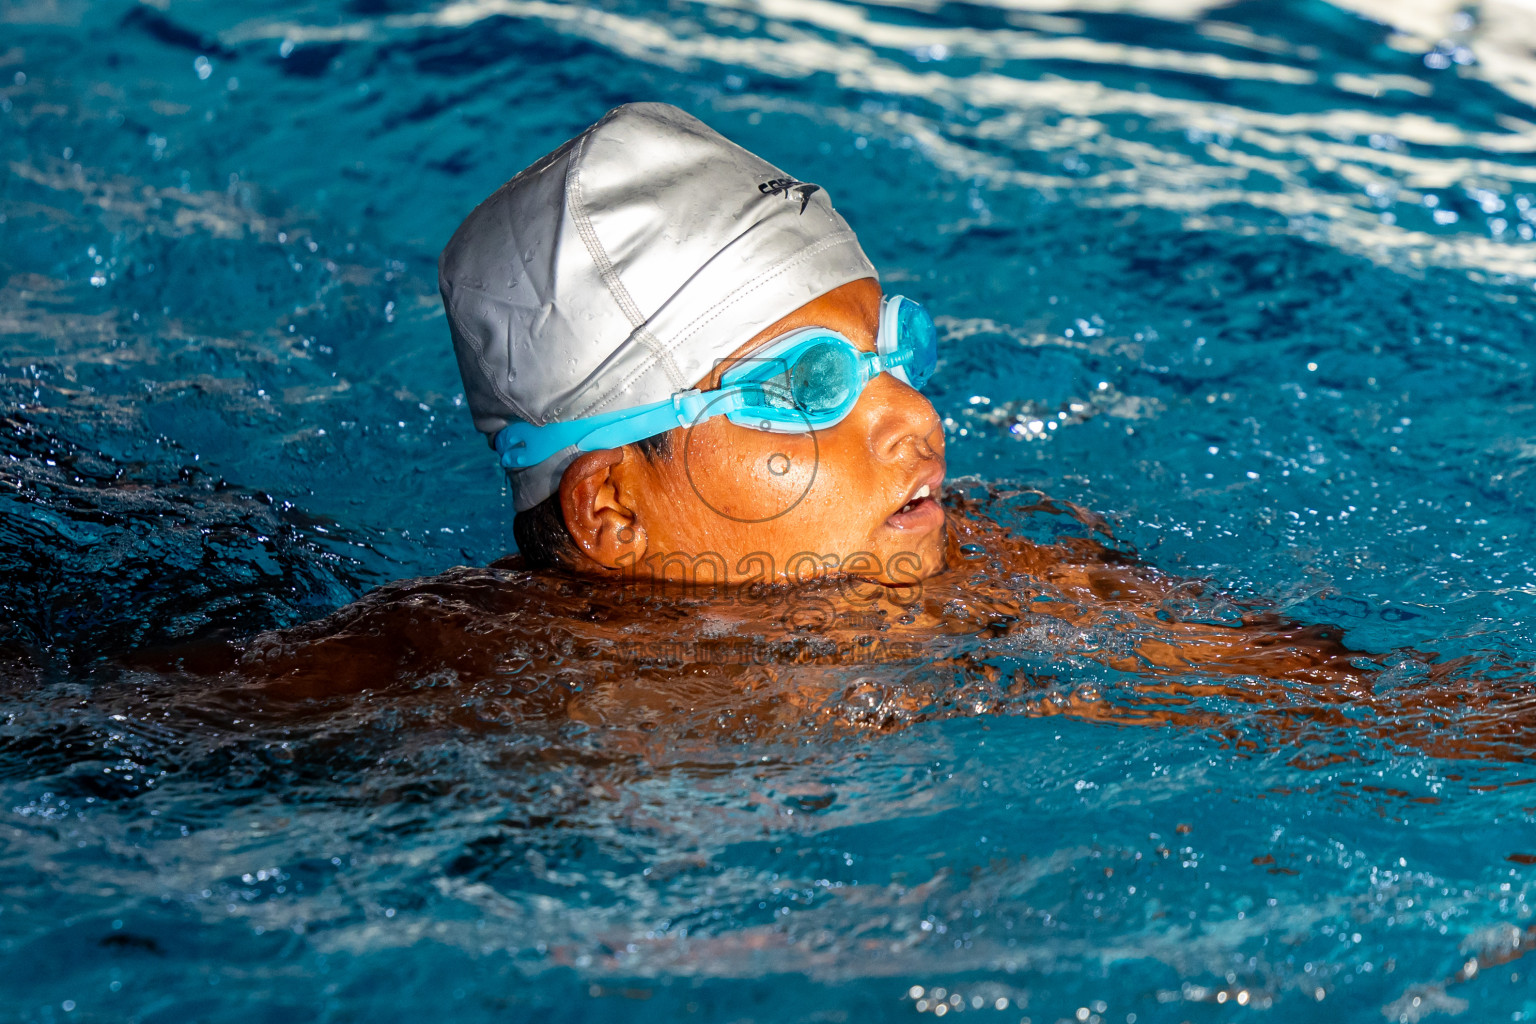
(919, 497)
(918, 509)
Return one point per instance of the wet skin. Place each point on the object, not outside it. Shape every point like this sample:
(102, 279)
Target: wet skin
(508, 647)
(731, 503)
(551, 645)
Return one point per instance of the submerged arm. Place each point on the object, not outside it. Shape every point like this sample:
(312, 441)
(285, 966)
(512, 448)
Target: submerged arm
(1297, 680)
(1163, 621)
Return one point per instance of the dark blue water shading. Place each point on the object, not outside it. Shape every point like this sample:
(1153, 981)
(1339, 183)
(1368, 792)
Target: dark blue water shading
(1253, 282)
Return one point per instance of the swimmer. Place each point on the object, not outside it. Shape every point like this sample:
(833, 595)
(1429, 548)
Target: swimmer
(686, 365)
(727, 489)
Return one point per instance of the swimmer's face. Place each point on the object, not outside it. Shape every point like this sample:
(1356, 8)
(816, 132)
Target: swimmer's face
(762, 504)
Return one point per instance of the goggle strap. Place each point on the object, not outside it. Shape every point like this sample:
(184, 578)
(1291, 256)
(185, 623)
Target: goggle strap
(684, 409)
(522, 444)
(694, 407)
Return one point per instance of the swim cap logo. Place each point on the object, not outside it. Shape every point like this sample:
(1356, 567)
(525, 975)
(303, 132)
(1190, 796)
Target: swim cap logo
(789, 188)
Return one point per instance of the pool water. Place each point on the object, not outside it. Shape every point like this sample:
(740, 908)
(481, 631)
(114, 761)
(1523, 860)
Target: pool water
(1253, 282)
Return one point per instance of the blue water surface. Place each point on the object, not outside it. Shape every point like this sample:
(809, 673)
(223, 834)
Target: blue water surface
(1253, 281)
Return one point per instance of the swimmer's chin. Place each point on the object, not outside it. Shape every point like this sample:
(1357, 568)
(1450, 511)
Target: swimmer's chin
(915, 546)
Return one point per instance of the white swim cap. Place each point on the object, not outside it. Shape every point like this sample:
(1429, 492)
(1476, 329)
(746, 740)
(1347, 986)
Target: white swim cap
(619, 269)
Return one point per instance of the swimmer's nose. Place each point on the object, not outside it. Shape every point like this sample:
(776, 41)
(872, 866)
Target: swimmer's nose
(900, 423)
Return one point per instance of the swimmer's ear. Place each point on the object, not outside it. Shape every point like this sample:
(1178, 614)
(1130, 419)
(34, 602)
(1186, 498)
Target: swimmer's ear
(597, 512)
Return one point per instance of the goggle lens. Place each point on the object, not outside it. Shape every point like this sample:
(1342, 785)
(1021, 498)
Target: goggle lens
(823, 377)
(810, 378)
(909, 341)
(917, 336)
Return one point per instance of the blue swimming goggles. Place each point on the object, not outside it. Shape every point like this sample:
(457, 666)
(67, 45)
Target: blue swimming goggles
(807, 380)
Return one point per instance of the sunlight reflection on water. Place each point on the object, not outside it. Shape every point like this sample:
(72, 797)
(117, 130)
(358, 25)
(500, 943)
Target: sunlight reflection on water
(1252, 282)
